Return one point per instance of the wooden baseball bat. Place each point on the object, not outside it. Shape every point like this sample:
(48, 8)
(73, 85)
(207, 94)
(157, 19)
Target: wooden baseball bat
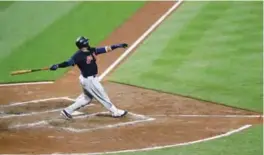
(28, 71)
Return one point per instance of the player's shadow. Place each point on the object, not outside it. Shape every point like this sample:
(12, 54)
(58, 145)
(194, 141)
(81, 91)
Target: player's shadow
(104, 115)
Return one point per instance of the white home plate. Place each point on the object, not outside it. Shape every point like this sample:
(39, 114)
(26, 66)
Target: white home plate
(77, 113)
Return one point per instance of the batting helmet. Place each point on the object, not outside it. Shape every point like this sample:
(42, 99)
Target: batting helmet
(82, 42)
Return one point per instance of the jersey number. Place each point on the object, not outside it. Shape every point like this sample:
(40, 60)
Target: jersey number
(89, 59)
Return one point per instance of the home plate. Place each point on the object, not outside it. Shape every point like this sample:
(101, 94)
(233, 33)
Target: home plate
(77, 113)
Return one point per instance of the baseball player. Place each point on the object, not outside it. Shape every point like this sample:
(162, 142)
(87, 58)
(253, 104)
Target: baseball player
(85, 59)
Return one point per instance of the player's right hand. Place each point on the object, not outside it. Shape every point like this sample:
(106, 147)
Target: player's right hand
(54, 67)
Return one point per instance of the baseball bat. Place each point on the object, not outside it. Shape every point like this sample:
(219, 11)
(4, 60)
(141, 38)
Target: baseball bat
(28, 71)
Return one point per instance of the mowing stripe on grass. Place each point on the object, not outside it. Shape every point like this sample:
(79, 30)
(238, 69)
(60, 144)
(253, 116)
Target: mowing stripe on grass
(56, 42)
(23, 20)
(5, 4)
(215, 56)
(140, 39)
(150, 52)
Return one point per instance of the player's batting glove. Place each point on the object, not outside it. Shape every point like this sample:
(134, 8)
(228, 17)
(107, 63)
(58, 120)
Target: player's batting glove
(124, 45)
(54, 67)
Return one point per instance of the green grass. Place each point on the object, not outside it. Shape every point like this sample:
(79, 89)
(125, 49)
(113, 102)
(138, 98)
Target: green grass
(248, 142)
(23, 21)
(56, 42)
(206, 50)
(5, 4)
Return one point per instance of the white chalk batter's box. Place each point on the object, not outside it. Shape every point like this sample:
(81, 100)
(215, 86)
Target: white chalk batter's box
(45, 113)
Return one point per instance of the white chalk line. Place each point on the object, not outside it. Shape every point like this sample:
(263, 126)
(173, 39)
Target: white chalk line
(136, 116)
(27, 125)
(210, 116)
(5, 115)
(139, 116)
(36, 101)
(26, 83)
(67, 98)
(47, 122)
(167, 146)
(162, 147)
(140, 39)
(107, 126)
(37, 123)
(42, 123)
(29, 114)
(89, 115)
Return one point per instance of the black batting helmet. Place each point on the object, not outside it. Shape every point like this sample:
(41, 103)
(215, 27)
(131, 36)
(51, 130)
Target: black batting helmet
(82, 42)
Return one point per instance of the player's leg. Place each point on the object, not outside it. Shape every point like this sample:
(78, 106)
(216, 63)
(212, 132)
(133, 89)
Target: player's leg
(98, 92)
(84, 99)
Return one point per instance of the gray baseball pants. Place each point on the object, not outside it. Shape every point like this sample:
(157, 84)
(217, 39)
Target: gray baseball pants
(92, 88)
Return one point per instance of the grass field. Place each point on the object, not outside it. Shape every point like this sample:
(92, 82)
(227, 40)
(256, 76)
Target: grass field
(50, 36)
(212, 54)
(210, 51)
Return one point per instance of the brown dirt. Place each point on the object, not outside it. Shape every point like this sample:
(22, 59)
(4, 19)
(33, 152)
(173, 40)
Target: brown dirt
(35, 107)
(167, 128)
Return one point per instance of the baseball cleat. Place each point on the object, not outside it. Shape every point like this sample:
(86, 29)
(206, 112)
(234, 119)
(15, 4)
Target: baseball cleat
(66, 115)
(119, 113)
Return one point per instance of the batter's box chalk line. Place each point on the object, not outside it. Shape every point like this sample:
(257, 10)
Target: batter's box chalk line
(47, 123)
(37, 101)
(5, 115)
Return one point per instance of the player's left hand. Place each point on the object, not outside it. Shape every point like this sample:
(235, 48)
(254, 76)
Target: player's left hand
(124, 45)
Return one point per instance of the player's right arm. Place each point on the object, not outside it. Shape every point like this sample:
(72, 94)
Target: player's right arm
(63, 64)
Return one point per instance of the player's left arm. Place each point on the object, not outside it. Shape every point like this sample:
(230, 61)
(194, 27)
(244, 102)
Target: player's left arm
(105, 49)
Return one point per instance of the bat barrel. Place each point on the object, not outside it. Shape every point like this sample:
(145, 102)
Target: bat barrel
(28, 71)
(20, 72)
